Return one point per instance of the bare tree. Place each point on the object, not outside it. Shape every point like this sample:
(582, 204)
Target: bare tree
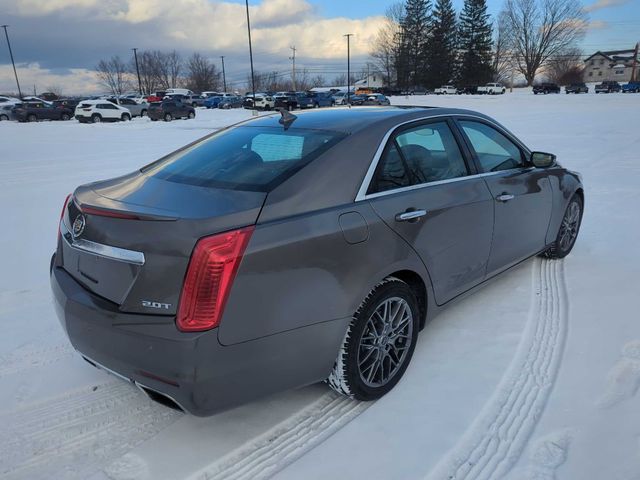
(55, 89)
(503, 64)
(566, 67)
(385, 48)
(541, 29)
(114, 75)
(202, 75)
(317, 81)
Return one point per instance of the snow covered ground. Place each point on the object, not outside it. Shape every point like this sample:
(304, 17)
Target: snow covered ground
(536, 376)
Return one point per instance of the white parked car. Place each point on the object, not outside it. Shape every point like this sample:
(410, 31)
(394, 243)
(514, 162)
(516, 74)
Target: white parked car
(8, 100)
(35, 99)
(492, 89)
(446, 89)
(263, 102)
(340, 98)
(178, 91)
(96, 111)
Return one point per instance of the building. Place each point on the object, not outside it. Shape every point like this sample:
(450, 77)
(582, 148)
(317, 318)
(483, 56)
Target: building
(615, 65)
(374, 80)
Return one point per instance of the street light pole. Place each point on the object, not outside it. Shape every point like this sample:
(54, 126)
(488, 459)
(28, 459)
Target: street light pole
(15, 72)
(135, 54)
(293, 70)
(224, 76)
(348, 35)
(253, 81)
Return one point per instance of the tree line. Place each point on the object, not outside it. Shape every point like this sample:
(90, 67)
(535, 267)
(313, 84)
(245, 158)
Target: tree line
(158, 71)
(428, 45)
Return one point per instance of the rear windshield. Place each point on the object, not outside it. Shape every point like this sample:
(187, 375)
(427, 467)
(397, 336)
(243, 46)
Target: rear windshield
(245, 158)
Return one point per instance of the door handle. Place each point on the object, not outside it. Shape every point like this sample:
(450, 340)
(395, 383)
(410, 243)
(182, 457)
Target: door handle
(410, 215)
(505, 197)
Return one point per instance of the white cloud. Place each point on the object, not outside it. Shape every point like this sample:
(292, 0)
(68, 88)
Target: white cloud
(76, 81)
(218, 25)
(600, 4)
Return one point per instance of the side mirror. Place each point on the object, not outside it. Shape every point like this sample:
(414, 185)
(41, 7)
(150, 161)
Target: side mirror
(542, 159)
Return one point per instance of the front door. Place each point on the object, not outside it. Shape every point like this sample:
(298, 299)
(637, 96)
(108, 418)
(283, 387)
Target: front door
(423, 190)
(522, 194)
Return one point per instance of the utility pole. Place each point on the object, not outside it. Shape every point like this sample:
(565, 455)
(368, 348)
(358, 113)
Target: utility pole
(15, 72)
(293, 68)
(224, 76)
(253, 80)
(348, 35)
(135, 55)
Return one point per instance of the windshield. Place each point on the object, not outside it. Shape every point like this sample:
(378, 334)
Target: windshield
(244, 158)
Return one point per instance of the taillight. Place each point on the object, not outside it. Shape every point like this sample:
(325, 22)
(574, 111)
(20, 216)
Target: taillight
(64, 208)
(211, 271)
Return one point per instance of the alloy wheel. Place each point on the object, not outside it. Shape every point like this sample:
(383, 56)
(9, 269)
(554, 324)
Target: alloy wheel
(385, 342)
(569, 226)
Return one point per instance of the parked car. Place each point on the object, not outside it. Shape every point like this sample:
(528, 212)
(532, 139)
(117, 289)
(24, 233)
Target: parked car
(153, 98)
(9, 100)
(546, 88)
(286, 100)
(446, 89)
(358, 99)
(576, 88)
(35, 111)
(608, 87)
(262, 102)
(136, 109)
(70, 103)
(234, 101)
(223, 274)
(210, 94)
(377, 99)
(197, 100)
(6, 111)
(213, 100)
(468, 90)
(97, 111)
(35, 99)
(339, 98)
(631, 87)
(178, 91)
(492, 89)
(321, 99)
(305, 100)
(168, 110)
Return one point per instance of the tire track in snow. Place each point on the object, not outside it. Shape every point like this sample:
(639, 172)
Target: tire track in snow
(31, 356)
(496, 439)
(283, 444)
(72, 435)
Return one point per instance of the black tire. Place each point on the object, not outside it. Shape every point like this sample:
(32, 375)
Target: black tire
(32, 118)
(125, 117)
(168, 117)
(65, 117)
(191, 115)
(569, 226)
(95, 118)
(4, 117)
(154, 119)
(143, 113)
(347, 376)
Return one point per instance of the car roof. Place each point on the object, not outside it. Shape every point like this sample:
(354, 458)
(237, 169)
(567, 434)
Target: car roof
(353, 119)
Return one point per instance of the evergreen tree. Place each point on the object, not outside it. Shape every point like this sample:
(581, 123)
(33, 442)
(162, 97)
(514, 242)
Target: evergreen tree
(441, 46)
(474, 43)
(415, 26)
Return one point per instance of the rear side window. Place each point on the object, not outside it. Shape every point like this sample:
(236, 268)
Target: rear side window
(495, 151)
(245, 158)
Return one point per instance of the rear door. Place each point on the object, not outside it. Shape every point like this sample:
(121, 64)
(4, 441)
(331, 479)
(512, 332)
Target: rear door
(522, 193)
(425, 190)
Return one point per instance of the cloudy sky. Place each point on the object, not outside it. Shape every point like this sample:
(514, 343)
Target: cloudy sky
(58, 42)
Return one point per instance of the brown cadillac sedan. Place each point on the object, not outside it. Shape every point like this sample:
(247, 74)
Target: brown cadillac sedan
(292, 249)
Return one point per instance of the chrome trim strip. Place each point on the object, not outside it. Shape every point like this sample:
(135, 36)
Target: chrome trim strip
(106, 251)
(364, 186)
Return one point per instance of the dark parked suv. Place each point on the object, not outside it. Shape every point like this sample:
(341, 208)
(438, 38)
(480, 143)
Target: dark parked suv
(545, 88)
(170, 109)
(576, 88)
(287, 100)
(608, 86)
(34, 111)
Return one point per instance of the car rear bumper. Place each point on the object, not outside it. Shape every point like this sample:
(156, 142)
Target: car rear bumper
(194, 370)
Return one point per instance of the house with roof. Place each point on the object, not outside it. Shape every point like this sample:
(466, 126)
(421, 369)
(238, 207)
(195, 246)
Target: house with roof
(615, 65)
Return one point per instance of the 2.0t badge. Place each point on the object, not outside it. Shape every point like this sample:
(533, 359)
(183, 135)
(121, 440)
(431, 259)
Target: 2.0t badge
(78, 226)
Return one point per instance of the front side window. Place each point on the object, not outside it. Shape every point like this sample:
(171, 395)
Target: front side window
(422, 154)
(495, 152)
(245, 158)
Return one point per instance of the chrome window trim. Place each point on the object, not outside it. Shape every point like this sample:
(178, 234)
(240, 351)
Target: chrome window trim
(106, 251)
(364, 186)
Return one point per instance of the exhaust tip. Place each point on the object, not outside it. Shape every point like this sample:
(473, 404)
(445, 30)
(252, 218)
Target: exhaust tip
(161, 398)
